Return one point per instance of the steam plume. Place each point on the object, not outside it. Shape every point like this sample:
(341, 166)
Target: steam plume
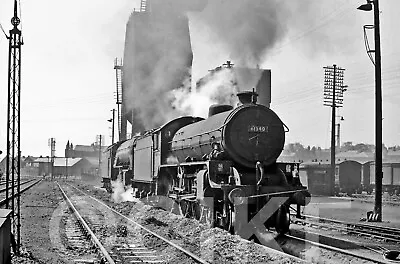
(247, 29)
(120, 194)
(219, 87)
(157, 56)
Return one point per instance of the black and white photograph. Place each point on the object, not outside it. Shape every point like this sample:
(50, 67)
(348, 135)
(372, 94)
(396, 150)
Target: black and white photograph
(199, 131)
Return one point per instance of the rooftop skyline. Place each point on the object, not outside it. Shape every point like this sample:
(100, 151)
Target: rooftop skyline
(68, 80)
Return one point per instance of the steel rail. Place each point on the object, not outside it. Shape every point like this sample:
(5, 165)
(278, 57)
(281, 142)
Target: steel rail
(346, 252)
(196, 258)
(365, 229)
(4, 201)
(87, 228)
(188, 253)
(350, 229)
(22, 183)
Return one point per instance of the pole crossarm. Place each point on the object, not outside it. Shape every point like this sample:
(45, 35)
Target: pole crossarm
(333, 86)
(333, 97)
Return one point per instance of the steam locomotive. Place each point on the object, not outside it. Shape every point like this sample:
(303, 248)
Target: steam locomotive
(221, 170)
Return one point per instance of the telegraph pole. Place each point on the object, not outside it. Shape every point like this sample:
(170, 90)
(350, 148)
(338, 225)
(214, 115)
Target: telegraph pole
(122, 120)
(333, 97)
(52, 145)
(66, 167)
(99, 137)
(112, 127)
(374, 4)
(378, 116)
(13, 159)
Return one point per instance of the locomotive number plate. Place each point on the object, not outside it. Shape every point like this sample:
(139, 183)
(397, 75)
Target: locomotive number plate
(258, 129)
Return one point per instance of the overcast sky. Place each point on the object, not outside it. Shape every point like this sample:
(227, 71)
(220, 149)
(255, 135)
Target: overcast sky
(68, 81)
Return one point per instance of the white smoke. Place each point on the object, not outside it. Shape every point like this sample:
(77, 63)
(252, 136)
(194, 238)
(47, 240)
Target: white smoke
(220, 87)
(172, 160)
(119, 194)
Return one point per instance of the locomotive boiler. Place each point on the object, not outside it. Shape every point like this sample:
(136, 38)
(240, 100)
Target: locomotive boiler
(221, 170)
(248, 134)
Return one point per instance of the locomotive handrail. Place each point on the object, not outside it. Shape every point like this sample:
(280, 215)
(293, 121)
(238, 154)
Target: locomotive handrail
(198, 135)
(273, 194)
(285, 127)
(184, 164)
(259, 173)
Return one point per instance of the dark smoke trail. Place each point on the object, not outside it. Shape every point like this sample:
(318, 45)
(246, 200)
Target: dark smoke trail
(248, 29)
(156, 60)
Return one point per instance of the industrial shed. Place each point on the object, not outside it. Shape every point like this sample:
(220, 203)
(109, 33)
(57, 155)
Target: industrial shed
(62, 166)
(70, 166)
(317, 176)
(391, 175)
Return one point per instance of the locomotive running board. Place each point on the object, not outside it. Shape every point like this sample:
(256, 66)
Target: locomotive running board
(194, 163)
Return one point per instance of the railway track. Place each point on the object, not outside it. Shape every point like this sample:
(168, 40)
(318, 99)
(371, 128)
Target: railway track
(128, 246)
(370, 231)
(22, 183)
(4, 201)
(323, 252)
(386, 234)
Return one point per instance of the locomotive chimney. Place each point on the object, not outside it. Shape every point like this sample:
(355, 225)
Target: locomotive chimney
(247, 97)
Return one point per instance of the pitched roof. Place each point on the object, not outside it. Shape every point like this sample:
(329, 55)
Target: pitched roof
(66, 162)
(59, 161)
(41, 159)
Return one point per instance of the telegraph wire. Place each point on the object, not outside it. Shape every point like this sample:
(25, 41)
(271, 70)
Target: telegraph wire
(326, 20)
(390, 76)
(2, 29)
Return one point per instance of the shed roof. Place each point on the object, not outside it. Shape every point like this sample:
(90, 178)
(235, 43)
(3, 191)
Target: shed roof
(327, 163)
(390, 160)
(66, 162)
(42, 160)
(59, 161)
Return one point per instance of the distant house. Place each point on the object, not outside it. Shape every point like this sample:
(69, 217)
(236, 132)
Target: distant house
(92, 153)
(26, 170)
(83, 151)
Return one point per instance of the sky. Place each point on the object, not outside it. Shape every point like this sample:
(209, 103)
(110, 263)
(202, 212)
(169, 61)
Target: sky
(68, 80)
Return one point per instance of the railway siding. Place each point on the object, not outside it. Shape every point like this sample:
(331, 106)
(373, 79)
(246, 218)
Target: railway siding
(213, 245)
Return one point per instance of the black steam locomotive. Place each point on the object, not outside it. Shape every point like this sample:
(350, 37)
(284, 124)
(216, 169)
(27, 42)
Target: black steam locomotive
(221, 170)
